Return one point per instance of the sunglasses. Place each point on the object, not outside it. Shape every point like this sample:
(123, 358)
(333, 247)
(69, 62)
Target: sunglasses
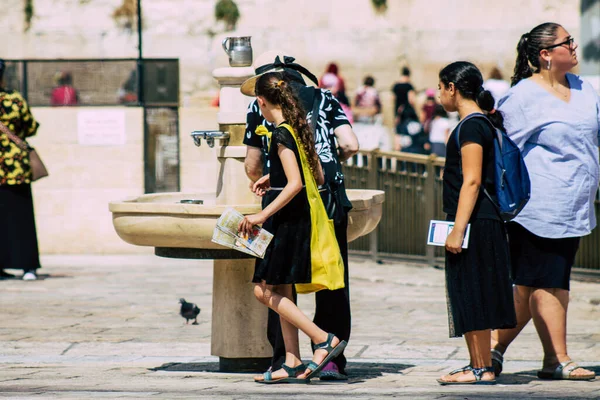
(570, 42)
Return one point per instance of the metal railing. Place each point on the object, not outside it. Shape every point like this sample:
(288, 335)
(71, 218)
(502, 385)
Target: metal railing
(413, 196)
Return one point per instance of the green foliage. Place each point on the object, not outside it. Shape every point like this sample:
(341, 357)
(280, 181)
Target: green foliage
(380, 5)
(29, 11)
(227, 11)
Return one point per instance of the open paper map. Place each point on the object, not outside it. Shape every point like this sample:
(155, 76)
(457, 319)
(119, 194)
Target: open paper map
(226, 234)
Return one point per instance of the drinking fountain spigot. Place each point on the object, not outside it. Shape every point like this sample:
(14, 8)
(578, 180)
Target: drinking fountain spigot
(209, 136)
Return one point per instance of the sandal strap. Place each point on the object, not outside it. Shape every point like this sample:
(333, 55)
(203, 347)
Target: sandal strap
(293, 371)
(267, 376)
(478, 372)
(325, 345)
(463, 369)
(564, 369)
(497, 356)
(312, 366)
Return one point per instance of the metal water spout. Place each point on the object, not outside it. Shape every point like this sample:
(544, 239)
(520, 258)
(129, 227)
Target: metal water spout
(209, 136)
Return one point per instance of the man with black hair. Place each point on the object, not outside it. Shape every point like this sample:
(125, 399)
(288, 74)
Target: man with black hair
(335, 142)
(404, 92)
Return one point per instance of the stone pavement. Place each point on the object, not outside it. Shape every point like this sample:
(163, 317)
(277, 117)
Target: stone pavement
(108, 327)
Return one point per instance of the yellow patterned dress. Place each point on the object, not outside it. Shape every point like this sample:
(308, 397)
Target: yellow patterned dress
(14, 162)
(18, 237)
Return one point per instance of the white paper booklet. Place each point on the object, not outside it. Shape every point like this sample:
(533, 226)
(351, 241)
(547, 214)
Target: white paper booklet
(226, 234)
(439, 231)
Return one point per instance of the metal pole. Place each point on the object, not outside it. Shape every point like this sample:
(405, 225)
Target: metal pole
(140, 64)
(149, 168)
(373, 167)
(430, 204)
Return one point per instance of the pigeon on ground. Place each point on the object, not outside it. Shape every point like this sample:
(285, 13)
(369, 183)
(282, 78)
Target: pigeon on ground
(189, 311)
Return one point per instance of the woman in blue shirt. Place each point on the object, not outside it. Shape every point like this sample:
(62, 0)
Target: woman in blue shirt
(554, 118)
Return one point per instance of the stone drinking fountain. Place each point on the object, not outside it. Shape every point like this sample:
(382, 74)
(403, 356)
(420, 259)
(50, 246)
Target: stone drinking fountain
(180, 225)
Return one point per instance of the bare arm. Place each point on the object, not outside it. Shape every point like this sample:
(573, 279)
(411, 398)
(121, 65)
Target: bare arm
(412, 98)
(347, 141)
(253, 163)
(291, 189)
(397, 144)
(472, 166)
(320, 175)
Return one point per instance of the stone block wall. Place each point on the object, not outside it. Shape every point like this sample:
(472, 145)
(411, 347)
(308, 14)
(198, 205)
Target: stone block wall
(424, 36)
(71, 205)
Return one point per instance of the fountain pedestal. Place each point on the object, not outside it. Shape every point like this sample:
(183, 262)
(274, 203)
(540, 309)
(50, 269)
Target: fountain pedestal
(239, 321)
(239, 324)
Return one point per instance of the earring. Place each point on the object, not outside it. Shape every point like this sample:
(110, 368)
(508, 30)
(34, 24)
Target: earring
(549, 62)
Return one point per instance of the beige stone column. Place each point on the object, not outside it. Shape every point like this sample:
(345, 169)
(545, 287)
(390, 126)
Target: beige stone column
(239, 324)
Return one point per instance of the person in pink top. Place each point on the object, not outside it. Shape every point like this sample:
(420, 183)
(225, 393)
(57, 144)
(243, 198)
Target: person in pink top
(333, 83)
(64, 94)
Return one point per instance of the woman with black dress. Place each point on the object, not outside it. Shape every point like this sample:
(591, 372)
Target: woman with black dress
(287, 215)
(18, 237)
(478, 286)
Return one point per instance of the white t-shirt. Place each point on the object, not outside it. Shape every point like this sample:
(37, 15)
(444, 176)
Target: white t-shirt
(437, 130)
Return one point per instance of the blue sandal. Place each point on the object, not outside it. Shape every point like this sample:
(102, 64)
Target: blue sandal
(291, 378)
(477, 373)
(332, 353)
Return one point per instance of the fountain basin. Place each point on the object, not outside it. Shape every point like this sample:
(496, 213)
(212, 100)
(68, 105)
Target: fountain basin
(160, 220)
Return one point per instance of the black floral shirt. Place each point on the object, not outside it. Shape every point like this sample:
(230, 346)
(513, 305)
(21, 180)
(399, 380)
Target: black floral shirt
(15, 115)
(331, 116)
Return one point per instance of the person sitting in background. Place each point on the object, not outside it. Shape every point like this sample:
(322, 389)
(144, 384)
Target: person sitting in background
(410, 137)
(439, 130)
(367, 104)
(368, 120)
(128, 92)
(64, 94)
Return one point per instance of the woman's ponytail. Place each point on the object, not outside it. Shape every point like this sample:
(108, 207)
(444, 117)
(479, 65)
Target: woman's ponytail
(529, 47)
(485, 101)
(522, 68)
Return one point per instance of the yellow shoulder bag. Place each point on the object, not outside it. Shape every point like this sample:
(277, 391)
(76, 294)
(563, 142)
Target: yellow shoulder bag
(327, 266)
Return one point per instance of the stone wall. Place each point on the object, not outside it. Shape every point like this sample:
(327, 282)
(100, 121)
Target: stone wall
(423, 35)
(71, 205)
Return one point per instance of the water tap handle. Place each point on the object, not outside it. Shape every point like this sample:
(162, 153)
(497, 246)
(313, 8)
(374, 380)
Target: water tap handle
(209, 136)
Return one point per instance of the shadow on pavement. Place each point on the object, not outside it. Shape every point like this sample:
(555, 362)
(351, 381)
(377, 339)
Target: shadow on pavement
(357, 372)
(188, 367)
(519, 378)
(526, 377)
(360, 372)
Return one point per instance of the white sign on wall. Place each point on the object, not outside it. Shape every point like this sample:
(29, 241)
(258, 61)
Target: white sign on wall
(101, 127)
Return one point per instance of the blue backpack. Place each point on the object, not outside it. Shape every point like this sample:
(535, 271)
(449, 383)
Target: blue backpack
(513, 188)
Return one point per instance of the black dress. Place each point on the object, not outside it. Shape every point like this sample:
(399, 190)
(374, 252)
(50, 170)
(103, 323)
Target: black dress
(287, 259)
(478, 286)
(18, 237)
